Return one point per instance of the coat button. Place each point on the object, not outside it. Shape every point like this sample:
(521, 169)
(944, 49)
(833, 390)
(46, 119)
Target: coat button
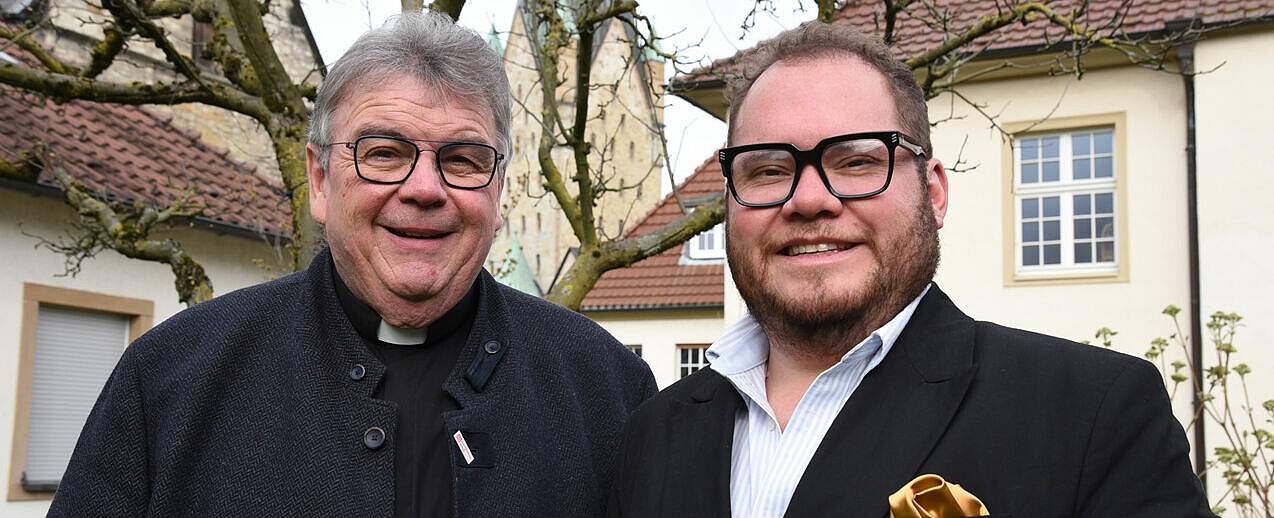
(491, 347)
(373, 438)
(357, 372)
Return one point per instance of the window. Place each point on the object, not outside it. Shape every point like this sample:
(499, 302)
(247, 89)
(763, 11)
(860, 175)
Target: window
(691, 358)
(70, 342)
(200, 35)
(1066, 215)
(708, 246)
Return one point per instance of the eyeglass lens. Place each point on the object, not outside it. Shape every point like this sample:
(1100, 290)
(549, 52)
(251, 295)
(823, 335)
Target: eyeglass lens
(852, 167)
(389, 160)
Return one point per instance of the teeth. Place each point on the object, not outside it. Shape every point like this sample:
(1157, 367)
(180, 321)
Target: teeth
(409, 234)
(813, 249)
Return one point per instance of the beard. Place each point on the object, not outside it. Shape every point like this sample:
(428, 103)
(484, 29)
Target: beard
(816, 322)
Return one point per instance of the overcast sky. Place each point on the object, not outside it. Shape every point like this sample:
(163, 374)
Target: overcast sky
(700, 30)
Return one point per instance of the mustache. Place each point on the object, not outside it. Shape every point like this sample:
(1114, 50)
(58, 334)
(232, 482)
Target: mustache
(820, 232)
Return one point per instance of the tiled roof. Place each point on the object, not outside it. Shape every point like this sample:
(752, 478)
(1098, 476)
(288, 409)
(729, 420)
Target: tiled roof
(913, 36)
(659, 282)
(135, 154)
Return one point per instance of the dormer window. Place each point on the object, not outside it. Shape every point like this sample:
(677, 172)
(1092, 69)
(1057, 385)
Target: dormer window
(707, 246)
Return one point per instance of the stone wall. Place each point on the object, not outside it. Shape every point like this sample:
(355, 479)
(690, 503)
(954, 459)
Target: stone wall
(78, 26)
(626, 151)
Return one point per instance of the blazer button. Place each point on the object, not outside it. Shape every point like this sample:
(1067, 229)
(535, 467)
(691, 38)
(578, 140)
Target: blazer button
(491, 347)
(373, 438)
(357, 372)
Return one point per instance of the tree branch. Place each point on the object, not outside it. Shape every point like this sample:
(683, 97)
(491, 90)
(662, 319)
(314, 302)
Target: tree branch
(104, 52)
(279, 93)
(129, 15)
(23, 41)
(125, 228)
(62, 87)
(580, 146)
(451, 7)
(596, 259)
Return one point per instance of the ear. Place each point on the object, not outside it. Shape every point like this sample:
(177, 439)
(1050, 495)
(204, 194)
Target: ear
(936, 184)
(315, 178)
(499, 192)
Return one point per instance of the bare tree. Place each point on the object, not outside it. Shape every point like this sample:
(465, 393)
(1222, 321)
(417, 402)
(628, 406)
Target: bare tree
(247, 77)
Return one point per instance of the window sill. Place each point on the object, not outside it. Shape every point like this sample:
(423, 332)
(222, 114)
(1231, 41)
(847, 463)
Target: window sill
(1015, 279)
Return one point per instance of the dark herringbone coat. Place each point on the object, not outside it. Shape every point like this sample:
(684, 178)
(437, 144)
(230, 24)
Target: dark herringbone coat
(246, 406)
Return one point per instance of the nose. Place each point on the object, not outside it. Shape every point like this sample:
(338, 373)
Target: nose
(424, 186)
(812, 199)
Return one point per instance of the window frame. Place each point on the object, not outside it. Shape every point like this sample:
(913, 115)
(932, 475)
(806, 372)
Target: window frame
(701, 364)
(694, 252)
(140, 314)
(1017, 275)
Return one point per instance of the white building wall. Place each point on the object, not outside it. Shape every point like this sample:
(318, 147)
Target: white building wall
(1234, 109)
(228, 261)
(974, 240)
(659, 331)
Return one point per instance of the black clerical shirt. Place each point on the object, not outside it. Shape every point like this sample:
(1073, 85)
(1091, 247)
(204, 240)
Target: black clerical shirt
(413, 380)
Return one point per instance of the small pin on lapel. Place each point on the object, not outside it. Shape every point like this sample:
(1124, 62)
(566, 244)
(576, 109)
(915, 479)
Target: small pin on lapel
(464, 447)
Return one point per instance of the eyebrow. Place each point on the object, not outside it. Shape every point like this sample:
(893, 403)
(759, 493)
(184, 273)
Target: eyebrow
(392, 131)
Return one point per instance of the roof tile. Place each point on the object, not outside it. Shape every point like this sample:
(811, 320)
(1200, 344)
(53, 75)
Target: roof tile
(915, 35)
(135, 154)
(660, 281)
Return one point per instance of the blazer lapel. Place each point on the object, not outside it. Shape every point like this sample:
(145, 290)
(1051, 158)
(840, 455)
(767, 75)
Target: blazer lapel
(698, 477)
(895, 417)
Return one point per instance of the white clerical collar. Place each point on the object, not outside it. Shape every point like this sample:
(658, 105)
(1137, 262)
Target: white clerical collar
(401, 335)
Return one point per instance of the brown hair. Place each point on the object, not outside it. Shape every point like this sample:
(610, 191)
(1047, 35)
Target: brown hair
(815, 39)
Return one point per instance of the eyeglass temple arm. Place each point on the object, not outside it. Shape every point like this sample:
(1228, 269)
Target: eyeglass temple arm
(913, 148)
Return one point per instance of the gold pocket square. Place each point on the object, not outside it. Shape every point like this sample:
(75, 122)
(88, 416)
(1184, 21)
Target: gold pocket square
(929, 496)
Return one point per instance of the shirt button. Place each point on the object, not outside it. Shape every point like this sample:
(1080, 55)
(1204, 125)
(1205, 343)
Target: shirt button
(772, 425)
(357, 372)
(373, 438)
(491, 347)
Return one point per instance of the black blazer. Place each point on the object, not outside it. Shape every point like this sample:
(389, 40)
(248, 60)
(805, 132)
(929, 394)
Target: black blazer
(1034, 426)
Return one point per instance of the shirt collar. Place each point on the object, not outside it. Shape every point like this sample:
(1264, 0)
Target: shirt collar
(368, 323)
(744, 345)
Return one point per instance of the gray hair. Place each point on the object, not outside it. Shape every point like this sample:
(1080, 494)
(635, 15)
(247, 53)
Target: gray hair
(815, 39)
(427, 45)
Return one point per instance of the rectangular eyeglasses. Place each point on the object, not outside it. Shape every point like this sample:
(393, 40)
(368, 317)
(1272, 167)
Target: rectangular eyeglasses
(386, 160)
(858, 165)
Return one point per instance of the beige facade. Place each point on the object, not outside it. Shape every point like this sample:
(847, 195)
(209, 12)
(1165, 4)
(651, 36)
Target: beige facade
(108, 283)
(661, 333)
(78, 27)
(626, 152)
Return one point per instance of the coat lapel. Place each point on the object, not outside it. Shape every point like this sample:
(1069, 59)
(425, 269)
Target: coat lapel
(895, 417)
(698, 478)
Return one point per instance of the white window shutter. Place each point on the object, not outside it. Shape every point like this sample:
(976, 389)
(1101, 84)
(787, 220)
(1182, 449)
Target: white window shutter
(75, 351)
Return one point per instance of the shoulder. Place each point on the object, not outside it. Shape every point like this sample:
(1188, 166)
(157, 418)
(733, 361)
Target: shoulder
(701, 387)
(569, 344)
(997, 344)
(199, 331)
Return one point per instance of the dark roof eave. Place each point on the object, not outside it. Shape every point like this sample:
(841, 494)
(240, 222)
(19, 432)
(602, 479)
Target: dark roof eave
(678, 87)
(649, 307)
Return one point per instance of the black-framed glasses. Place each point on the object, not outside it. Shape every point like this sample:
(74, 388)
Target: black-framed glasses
(385, 159)
(858, 165)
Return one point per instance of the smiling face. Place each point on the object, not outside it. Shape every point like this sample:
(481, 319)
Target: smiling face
(410, 250)
(819, 272)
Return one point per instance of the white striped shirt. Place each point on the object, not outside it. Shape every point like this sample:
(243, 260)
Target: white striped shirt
(767, 462)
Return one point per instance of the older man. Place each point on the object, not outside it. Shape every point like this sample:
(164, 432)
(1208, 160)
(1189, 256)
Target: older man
(394, 377)
(853, 376)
